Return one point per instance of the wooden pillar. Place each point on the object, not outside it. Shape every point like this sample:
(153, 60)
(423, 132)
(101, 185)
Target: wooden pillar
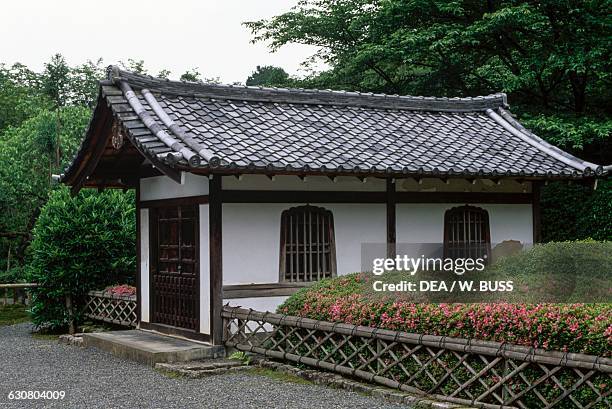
(138, 248)
(391, 201)
(216, 259)
(536, 211)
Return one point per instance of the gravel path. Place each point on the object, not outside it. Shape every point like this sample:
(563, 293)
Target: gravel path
(95, 379)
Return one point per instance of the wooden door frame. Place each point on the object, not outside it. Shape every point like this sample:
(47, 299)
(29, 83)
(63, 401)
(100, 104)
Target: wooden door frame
(153, 254)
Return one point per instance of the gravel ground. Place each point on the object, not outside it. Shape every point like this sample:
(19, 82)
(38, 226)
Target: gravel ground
(95, 379)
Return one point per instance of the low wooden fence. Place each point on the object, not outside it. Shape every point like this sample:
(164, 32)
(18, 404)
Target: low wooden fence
(467, 372)
(15, 293)
(115, 309)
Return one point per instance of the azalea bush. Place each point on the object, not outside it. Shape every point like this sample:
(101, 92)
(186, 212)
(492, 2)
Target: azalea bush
(122, 290)
(585, 328)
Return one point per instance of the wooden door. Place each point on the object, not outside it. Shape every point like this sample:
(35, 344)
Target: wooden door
(175, 296)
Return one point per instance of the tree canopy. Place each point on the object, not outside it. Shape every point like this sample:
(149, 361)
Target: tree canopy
(268, 75)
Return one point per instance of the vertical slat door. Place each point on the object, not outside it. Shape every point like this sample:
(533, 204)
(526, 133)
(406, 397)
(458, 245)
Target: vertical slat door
(175, 271)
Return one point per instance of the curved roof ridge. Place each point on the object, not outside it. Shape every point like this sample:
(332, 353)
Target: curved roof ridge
(516, 128)
(308, 96)
(177, 146)
(178, 131)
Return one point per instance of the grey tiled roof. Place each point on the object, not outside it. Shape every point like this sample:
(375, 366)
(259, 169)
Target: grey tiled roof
(246, 129)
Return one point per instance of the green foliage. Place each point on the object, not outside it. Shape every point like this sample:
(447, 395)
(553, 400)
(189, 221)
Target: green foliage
(571, 212)
(13, 314)
(595, 220)
(80, 244)
(549, 53)
(268, 76)
(27, 156)
(21, 95)
(241, 356)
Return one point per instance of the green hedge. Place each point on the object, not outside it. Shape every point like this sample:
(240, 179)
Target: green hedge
(80, 244)
(573, 212)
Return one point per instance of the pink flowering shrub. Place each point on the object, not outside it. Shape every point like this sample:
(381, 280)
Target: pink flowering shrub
(122, 289)
(585, 328)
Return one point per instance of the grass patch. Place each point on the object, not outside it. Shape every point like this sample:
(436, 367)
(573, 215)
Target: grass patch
(279, 376)
(45, 337)
(169, 374)
(13, 314)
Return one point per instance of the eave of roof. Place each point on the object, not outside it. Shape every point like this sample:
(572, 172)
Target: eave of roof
(188, 154)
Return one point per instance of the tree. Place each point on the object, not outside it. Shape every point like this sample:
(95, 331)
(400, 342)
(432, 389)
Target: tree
(268, 75)
(21, 95)
(191, 75)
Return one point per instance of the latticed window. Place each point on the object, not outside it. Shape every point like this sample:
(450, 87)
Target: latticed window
(307, 244)
(466, 233)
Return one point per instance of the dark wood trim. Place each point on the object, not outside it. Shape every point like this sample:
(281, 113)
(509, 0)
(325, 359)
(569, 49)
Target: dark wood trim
(102, 131)
(262, 290)
(177, 201)
(215, 221)
(391, 219)
(536, 212)
(292, 196)
(138, 256)
(170, 330)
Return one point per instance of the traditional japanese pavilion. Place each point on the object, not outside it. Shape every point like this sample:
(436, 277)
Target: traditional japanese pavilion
(246, 194)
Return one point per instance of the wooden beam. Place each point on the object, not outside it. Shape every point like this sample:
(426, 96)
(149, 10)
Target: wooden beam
(536, 212)
(262, 290)
(178, 201)
(391, 235)
(216, 258)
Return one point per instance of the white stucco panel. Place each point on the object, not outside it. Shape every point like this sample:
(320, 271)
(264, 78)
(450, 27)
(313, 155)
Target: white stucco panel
(162, 187)
(144, 265)
(251, 238)
(204, 271)
(256, 303)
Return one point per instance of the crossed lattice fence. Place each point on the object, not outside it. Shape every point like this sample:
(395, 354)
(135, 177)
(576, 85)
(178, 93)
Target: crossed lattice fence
(116, 309)
(468, 372)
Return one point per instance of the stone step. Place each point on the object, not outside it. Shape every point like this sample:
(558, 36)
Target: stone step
(202, 368)
(151, 348)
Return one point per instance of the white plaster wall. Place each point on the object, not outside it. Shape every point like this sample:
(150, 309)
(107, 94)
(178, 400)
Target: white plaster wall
(462, 185)
(204, 271)
(251, 238)
(257, 303)
(311, 183)
(424, 223)
(162, 187)
(144, 265)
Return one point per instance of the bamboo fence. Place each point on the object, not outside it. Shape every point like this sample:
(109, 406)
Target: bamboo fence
(463, 371)
(115, 309)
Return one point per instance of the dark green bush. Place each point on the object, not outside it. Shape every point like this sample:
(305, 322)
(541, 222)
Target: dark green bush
(80, 244)
(574, 212)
